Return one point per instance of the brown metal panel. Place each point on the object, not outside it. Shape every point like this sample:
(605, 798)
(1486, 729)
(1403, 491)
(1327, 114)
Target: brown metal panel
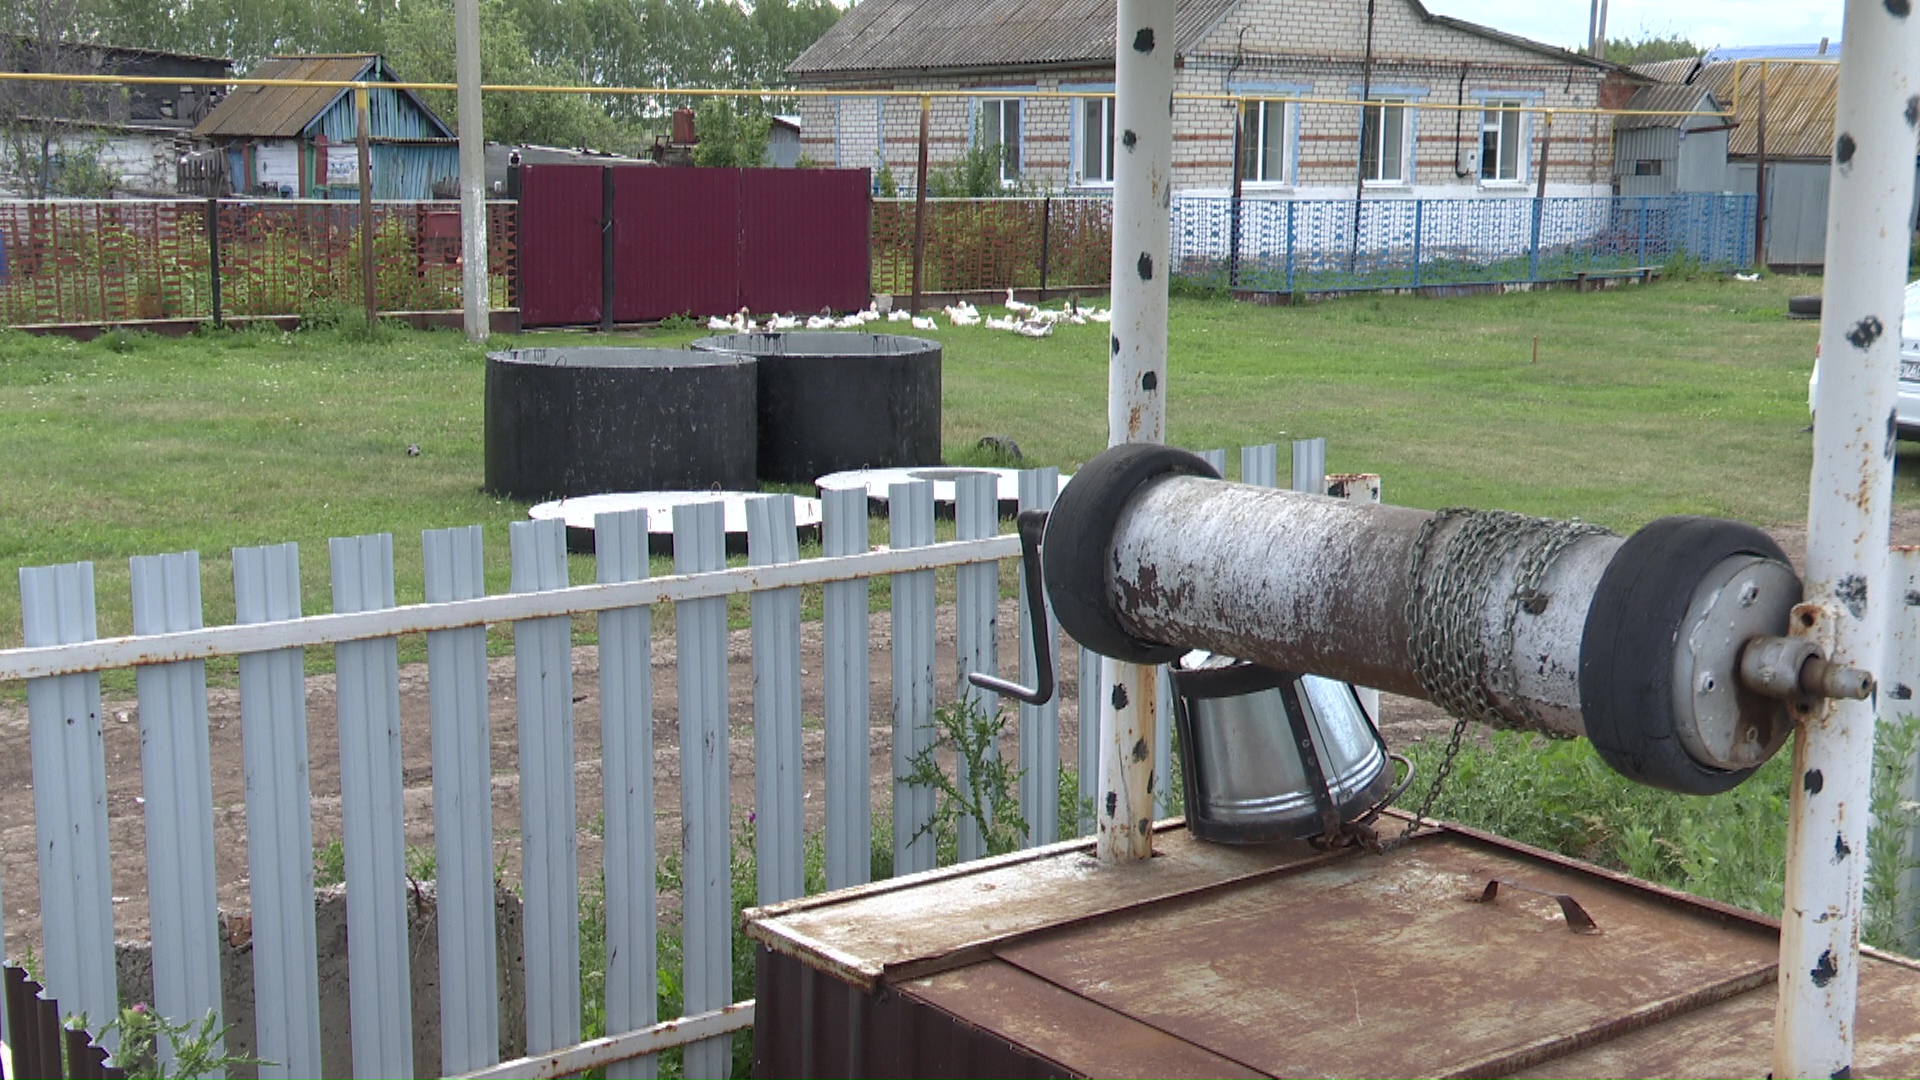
(906, 927)
(1085, 1037)
(1382, 967)
(803, 237)
(676, 239)
(558, 225)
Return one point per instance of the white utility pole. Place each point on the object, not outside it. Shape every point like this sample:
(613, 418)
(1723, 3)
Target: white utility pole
(473, 170)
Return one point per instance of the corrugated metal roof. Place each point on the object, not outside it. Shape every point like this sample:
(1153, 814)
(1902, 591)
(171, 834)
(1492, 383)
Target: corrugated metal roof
(1799, 97)
(921, 35)
(1668, 98)
(284, 112)
(884, 35)
(1668, 71)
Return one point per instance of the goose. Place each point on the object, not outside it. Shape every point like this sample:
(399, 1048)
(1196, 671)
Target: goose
(782, 322)
(996, 323)
(819, 322)
(963, 315)
(1099, 316)
(715, 322)
(1034, 329)
(924, 322)
(900, 316)
(1017, 307)
(851, 322)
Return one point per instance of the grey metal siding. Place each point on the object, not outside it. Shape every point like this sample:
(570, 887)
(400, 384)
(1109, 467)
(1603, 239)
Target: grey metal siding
(1646, 144)
(1703, 162)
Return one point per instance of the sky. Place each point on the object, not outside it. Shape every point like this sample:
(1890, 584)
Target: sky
(1706, 22)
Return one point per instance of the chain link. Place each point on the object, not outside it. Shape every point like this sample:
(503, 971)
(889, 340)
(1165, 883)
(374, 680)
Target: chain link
(1443, 616)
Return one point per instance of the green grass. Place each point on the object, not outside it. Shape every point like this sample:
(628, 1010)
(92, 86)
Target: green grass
(1682, 397)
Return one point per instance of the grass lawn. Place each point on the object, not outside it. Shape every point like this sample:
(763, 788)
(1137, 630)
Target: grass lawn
(1676, 397)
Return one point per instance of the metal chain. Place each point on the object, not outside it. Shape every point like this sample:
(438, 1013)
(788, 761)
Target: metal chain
(1443, 612)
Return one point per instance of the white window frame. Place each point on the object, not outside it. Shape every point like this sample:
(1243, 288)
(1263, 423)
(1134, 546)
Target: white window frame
(1497, 111)
(993, 111)
(1379, 105)
(1083, 136)
(1254, 149)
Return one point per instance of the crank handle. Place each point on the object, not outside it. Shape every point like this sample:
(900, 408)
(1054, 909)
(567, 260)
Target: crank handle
(1032, 524)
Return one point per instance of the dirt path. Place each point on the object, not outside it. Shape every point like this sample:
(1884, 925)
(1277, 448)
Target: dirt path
(1403, 720)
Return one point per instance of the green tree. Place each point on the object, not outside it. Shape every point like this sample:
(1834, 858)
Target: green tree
(416, 45)
(1649, 47)
(733, 134)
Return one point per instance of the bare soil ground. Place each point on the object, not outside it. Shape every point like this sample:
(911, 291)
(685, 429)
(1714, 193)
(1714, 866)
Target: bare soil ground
(1403, 720)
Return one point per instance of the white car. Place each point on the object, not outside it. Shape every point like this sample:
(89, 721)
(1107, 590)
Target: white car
(1907, 409)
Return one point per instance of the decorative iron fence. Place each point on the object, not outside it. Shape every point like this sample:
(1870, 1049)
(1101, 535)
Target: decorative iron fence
(63, 661)
(1285, 246)
(121, 261)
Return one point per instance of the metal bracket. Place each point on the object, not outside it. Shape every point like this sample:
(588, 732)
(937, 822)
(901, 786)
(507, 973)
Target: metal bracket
(1032, 525)
(1577, 918)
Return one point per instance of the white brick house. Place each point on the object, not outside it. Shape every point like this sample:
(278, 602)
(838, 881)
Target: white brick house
(1294, 61)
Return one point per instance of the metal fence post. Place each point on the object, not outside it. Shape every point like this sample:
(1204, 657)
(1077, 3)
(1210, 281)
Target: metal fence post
(1419, 214)
(213, 258)
(1289, 247)
(1046, 238)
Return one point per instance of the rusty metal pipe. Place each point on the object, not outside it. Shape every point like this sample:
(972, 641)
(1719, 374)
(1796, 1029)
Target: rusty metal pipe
(1524, 623)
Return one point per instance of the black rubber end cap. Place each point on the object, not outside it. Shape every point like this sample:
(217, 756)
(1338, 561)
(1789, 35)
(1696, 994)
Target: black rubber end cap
(1627, 648)
(1074, 552)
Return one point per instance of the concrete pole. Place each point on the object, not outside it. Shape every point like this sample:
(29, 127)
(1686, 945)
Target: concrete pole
(1136, 381)
(1847, 532)
(474, 282)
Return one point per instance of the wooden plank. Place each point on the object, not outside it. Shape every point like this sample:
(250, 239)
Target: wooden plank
(462, 807)
(550, 871)
(273, 743)
(626, 781)
(176, 780)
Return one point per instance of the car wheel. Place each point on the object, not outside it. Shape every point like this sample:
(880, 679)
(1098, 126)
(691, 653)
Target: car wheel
(1803, 307)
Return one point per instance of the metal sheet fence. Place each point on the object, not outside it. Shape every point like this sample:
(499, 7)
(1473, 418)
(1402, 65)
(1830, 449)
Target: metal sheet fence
(1269, 245)
(63, 664)
(87, 261)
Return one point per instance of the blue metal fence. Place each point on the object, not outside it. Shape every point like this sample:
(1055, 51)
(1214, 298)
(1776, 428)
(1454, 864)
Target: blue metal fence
(1266, 245)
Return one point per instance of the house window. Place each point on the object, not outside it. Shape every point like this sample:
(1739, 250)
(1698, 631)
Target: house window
(1000, 131)
(1647, 168)
(1502, 133)
(1096, 141)
(1383, 142)
(1263, 142)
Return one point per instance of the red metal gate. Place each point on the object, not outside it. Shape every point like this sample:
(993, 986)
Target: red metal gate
(691, 242)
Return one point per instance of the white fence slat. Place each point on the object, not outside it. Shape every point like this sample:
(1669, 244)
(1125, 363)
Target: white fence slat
(462, 808)
(1089, 739)
(699, 544)
(910, 524)
(778, 828)
(109, 653)
(1215, 458)
(549, 862)
(847, 683)
(1310, 466)
(626, 781)
(1039, 724)
(1162, 743)
(1260, 465)
(70, 797)
(273, 742)
(1899, 700)
(367, 676)
(977, 616)
(176, 781)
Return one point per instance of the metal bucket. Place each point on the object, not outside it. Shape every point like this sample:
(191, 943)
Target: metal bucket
(1245, 778)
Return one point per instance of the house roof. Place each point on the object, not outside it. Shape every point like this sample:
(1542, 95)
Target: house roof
(1668, 71)
(1672, 100)
(283, 112)
(884, 35)
(918, 35)
(1799, 99)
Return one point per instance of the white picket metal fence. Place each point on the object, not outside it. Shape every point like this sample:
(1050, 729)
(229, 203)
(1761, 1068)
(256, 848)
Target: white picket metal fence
(63, 658)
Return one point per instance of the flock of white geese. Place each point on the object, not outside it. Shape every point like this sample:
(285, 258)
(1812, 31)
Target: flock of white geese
(1027, 320)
